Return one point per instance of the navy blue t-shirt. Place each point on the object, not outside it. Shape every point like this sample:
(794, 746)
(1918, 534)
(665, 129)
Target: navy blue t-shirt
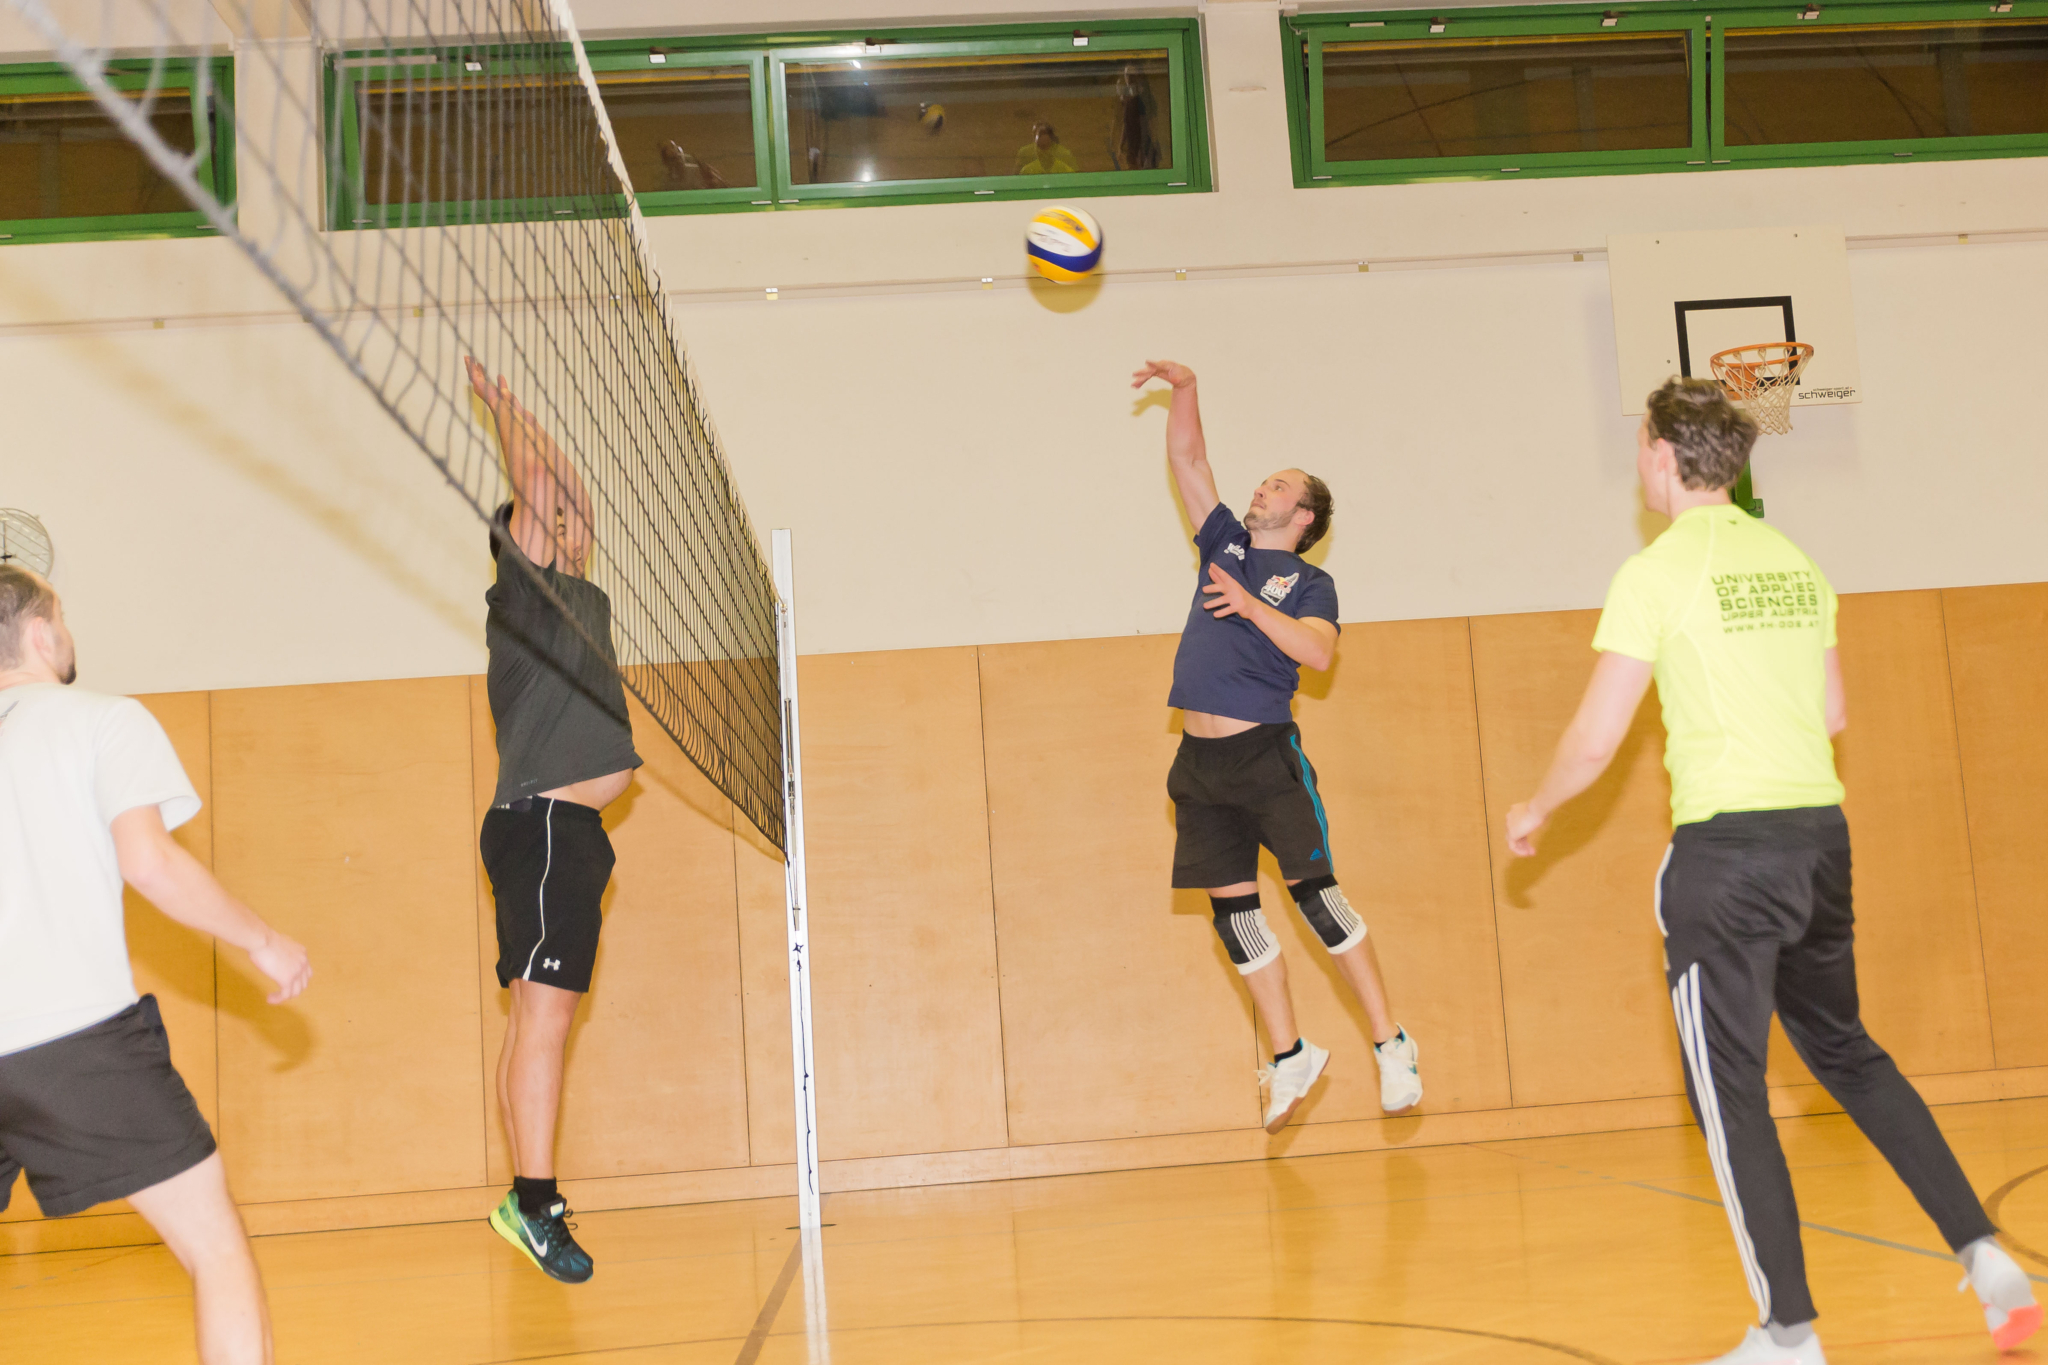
(1228, 667)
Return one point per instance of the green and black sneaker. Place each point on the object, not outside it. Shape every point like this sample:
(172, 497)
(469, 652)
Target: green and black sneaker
(545, 1240)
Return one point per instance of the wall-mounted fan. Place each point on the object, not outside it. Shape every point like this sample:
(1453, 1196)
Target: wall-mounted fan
(24, 541)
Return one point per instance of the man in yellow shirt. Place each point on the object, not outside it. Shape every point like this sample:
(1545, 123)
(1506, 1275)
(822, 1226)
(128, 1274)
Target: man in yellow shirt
(1737, 627)
(1045, 154)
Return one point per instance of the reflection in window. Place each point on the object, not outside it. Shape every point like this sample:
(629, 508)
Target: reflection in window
(60, 157)
(690, 128)
(442, 140)
(1454, 97)
(1890, 83)
(955, 118)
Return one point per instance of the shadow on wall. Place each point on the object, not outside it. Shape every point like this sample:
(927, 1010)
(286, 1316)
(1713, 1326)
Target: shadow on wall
(351, 523)
(1064, 298)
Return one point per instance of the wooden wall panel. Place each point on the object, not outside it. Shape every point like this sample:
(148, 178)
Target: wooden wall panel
(764, 982)
(909, 1034)
(342, 813)
(656, 1077)
(1919, 961)
(1998, 656)
(1588, 1017)
(1121, 1014)
(1395, 739)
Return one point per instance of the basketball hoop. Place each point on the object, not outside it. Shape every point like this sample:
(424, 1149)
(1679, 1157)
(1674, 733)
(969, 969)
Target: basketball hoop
(1761, 378)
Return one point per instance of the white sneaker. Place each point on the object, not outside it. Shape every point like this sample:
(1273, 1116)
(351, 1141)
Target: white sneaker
(2007, 1295)
(1400, 1078)
(1757, 1348)
(1290, 1081)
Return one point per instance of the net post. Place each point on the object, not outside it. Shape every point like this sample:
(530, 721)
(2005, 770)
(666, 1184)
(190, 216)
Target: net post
(797, 901)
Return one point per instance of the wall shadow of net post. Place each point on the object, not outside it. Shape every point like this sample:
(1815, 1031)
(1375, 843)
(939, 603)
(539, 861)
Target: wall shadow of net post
(1579, 820)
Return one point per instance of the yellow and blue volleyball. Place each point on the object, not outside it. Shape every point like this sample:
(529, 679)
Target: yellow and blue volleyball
(1064, 244)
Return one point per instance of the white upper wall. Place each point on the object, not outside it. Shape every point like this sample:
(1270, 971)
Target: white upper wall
(964, 466)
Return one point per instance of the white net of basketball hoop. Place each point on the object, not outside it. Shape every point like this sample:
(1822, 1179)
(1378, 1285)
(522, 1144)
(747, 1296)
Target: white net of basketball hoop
(1762, 378)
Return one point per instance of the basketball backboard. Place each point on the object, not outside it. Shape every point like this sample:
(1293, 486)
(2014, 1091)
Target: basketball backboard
(1681, 296)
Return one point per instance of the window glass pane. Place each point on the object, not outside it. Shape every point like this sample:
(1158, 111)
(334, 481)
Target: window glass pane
(950, 118)
(1505, 96)
(1886, 83)
(690, 128)
(60, 157)
(438, 140)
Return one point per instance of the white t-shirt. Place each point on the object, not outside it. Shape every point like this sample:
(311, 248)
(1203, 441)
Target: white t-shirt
(70, 761)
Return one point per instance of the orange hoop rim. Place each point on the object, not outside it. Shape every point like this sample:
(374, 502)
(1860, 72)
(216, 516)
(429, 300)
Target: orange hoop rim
(1741, 368)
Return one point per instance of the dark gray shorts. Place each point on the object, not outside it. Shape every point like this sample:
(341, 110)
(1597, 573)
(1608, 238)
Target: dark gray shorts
(98, 1114)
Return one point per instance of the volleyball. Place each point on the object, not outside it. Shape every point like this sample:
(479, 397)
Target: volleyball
(1064, 244)
(931, 117)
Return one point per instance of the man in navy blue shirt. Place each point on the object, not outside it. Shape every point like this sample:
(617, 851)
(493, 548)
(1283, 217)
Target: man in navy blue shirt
(1240, 780)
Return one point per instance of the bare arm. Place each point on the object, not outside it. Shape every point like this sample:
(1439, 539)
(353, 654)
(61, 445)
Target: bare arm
(1308, 640)
(1587, 747)
(174, 881)
(1838, 700)
(551, 519)
(1187, 453)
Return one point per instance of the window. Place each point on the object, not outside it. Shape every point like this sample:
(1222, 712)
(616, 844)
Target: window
(68, 172)
(1493, 93)
(1840, 86)
(732, 123)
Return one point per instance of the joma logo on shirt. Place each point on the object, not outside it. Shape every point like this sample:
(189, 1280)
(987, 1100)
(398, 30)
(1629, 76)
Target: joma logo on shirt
(1277, 588)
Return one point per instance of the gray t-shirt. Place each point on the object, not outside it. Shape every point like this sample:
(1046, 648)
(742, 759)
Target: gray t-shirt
(560, 708)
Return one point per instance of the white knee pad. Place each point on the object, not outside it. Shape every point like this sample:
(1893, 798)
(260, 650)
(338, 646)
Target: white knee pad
(1321, 902)
(1246, 936)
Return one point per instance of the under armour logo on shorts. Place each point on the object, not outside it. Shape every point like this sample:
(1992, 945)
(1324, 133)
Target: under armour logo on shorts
(551, 964)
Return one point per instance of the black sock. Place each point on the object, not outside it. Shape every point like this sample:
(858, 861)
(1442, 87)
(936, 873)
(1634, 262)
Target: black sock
(534, 1195)
(1280, 1057)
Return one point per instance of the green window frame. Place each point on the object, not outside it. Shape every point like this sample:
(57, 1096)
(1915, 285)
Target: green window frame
(213, 134)
(1706, 26)
(768, 59)
(1993, 14)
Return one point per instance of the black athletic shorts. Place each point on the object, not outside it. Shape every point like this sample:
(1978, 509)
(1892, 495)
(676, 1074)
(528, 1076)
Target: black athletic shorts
(98, 1114)
(549, 861)
(1230, 795)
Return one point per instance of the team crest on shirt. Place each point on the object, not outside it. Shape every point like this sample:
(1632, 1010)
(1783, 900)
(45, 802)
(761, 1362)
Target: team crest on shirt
(1277, 588)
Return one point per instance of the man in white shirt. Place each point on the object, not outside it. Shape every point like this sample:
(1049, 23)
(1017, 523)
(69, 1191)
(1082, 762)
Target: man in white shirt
(90, 1105)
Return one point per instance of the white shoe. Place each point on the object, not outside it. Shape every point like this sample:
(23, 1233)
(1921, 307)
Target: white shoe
(1290, 1081)
(2006, 1293)
(1757, 1348)
(1400, 1077)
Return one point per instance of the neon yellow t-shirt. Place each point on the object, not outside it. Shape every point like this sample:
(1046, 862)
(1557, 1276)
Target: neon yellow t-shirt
(1736, 621)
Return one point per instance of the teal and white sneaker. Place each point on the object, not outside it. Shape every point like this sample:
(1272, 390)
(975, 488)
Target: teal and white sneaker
(545, 1240)
(1400, 1073)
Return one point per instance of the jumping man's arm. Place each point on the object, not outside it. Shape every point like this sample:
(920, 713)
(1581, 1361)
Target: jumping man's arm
(159, 867)
(1309, 640)
(1186, 451)
(1587, 747)
(550, 505)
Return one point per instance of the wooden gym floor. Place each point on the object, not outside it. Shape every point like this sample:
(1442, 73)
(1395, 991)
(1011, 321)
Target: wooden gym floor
(1605, 1248)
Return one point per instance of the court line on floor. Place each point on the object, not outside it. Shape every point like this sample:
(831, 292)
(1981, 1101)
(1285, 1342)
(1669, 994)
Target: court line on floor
(1997, 1200)
(750, 1350)
(1804, 1223)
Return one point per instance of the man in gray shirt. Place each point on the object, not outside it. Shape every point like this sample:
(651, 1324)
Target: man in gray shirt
(565, 752)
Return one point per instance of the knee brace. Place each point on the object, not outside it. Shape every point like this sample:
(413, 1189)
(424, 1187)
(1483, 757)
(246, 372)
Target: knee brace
(1246, 935)
(1323, 905)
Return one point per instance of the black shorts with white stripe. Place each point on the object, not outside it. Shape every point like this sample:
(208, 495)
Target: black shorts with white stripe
(549, 862)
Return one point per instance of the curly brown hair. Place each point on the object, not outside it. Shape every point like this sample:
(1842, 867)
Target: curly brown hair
(1709, 434)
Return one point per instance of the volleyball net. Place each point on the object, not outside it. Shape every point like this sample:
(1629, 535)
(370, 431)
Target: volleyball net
(428, 180)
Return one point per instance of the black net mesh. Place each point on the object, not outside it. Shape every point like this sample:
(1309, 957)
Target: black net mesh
(430, 180)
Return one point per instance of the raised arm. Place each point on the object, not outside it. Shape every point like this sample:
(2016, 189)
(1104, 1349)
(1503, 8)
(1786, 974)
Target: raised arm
(551, 520)
(1187, 453)
(159, 867)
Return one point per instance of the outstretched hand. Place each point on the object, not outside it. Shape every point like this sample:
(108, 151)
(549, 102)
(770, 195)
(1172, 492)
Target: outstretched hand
(1172, 371)
(1226, 596)
(284, 961)
(519, 431)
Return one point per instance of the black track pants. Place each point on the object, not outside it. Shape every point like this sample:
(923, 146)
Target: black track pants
(1755, 909)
